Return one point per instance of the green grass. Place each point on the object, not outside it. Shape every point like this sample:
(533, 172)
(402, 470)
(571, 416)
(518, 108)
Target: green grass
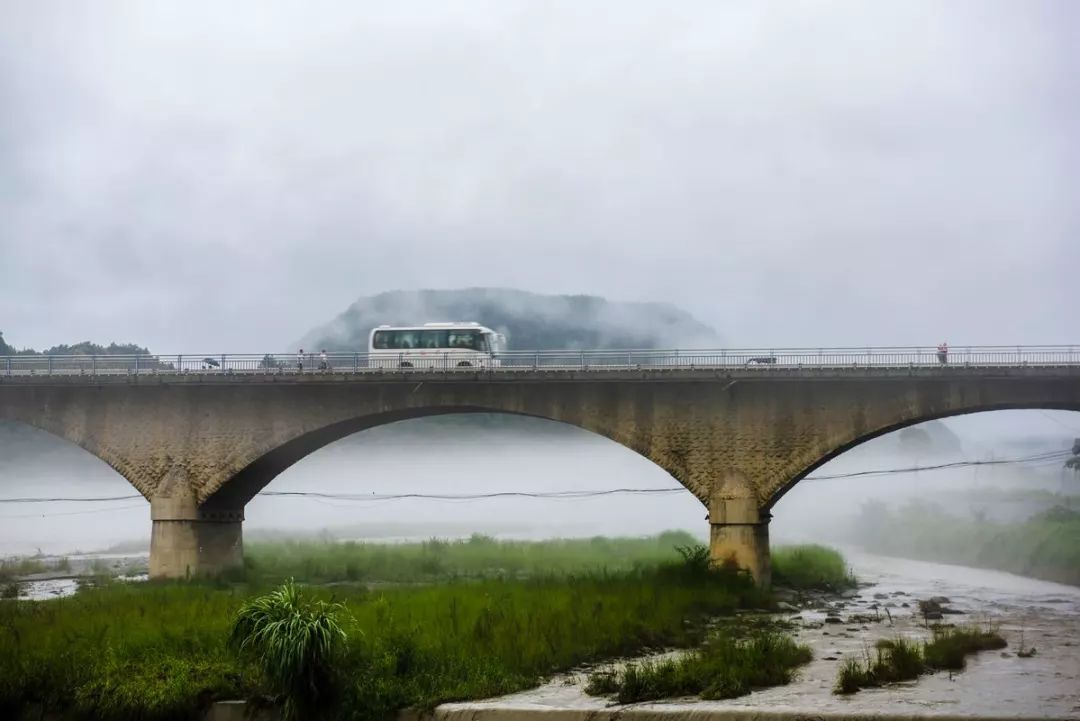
(810, 567)
(478, 557)
(724, 667)
(15, 567)
(950, 647)
(437, 560)
(900, 659)
(425, 623)
(155, 652)
(905, 660)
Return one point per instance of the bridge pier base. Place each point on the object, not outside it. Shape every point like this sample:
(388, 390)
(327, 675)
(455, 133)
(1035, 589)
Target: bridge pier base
(187, 541)
(740, 536)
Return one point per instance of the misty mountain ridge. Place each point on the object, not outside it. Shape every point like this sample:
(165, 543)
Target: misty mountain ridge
(917, 444)
(530, 321)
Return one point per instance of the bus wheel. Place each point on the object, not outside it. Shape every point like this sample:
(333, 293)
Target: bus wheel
(464, 364)
(406, 364)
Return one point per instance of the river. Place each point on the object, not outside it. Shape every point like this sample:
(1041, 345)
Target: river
(994, 684)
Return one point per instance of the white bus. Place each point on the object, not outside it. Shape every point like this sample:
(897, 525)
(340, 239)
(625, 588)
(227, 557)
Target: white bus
(435, 345)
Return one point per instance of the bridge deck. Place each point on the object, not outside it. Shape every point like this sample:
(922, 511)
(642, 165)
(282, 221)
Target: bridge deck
(547, 365)
(551, 375)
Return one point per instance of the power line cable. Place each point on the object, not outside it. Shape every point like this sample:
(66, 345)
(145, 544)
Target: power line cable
(1037, 459)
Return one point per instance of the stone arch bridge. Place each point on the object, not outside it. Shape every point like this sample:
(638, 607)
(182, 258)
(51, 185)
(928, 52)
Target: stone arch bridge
(200, 445)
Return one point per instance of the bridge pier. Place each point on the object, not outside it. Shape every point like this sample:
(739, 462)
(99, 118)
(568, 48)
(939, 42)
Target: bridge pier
(739, 536)
(188, 541)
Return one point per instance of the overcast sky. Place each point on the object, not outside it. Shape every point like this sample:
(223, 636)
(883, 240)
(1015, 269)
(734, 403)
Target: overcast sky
(223, 176)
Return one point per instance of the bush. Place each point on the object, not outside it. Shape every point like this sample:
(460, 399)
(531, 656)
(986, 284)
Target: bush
(810, 566)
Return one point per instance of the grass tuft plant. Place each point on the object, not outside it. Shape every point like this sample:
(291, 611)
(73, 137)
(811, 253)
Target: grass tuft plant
(902, 659)
(295, 642)
(722, 668)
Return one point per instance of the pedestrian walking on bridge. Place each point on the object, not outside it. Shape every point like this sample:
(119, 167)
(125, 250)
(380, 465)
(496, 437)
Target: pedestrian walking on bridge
(943, 353)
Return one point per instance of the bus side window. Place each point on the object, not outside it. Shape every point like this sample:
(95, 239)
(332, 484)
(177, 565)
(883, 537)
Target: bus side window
(465, 339)
(431, 338)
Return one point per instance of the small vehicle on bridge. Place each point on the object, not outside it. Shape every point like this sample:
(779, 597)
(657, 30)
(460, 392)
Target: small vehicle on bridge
(435, 345)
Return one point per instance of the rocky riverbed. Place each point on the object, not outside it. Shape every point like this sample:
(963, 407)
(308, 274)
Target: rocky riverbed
(999, 684)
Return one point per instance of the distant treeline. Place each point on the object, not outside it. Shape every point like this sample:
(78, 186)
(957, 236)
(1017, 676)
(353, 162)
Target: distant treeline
(1046, 545)
(85, 348)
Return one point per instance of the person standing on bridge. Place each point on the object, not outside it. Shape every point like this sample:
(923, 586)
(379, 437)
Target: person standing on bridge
(943, 353)
(323, 363)
(300, 360)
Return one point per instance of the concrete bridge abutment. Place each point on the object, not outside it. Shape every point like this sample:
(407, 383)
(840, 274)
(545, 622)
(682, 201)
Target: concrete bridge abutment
(187, 540)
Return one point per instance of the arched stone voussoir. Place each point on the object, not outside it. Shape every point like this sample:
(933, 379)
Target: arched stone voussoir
(233, 485)
(845, 438)
(116, 458)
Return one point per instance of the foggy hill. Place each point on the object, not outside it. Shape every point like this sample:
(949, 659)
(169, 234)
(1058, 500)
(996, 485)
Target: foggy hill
(931, 437)
(921, 443)
(530, 321)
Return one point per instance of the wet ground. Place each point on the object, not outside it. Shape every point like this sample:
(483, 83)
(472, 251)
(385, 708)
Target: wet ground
(64, 580)
(1044, 615)
(1035, 614)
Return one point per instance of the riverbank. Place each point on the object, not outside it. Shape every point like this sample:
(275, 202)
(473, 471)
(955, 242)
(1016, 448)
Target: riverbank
(158, 651)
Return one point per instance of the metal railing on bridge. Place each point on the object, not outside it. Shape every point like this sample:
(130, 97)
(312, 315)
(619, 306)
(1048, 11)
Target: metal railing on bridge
(561, 360)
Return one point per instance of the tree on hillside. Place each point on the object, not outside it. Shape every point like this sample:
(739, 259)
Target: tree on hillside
(5, 349)
(88, 348)
(1074, 462)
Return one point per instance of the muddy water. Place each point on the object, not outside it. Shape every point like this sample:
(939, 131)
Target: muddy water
(58, 583)
(994, 684)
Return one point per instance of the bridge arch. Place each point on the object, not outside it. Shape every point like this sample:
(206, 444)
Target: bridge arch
(99, 450)
(37, 463)
(244, 485)
(836, 445)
